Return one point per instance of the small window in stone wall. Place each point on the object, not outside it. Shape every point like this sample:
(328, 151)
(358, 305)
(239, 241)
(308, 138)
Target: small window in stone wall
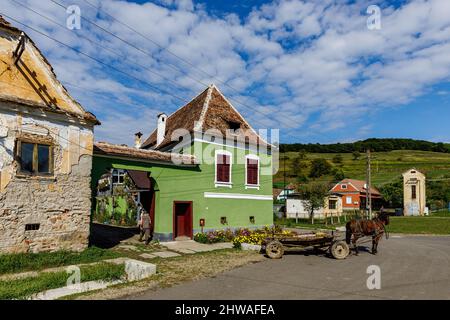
(35, 158)
(223, 220)
(32, 226)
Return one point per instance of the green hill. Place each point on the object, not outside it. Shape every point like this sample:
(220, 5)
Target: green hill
(374, 144)
(386, 166)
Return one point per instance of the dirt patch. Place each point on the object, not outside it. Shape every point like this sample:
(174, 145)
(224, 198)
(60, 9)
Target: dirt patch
(177, 270)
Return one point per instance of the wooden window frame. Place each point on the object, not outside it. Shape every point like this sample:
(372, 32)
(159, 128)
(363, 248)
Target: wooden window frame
(119, 173)
(35, 164)
(347, 198)
(247, 184)
(413, 192)
(332, 204)
(228, 183)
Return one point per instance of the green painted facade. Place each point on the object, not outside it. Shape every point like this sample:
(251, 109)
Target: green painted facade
(197, 184)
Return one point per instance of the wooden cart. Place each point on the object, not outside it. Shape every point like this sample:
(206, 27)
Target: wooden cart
(277, 244)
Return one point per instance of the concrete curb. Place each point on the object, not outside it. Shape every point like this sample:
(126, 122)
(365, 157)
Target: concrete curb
(79, 288)
(250, 247)
(135, 270)
(418, 234)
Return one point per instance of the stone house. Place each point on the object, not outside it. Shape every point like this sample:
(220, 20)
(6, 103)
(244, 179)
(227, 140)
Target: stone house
(204, 166)
(414, 193)
(46, 146)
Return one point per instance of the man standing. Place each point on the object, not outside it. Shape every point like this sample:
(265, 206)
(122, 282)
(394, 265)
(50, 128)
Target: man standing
(144, 225)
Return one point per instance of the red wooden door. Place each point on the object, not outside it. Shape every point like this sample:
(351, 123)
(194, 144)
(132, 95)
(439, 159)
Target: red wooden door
(182, 219)
(181, 224)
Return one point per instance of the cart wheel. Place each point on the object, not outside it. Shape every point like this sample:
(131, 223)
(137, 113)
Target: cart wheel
(274, 250)
(339, 250)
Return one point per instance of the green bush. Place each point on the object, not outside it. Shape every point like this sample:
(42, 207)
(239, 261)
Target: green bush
(201, 237)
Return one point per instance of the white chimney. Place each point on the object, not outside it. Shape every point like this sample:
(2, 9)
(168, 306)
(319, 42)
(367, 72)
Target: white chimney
(137, 140)
(161, 128)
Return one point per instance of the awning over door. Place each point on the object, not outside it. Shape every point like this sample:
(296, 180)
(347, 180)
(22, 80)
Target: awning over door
(141, 179)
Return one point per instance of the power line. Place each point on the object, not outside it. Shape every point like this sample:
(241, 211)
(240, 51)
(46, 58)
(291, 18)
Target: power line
(160, 46)
(94, 59)
(117, 54)
(116, 69)
(167, 63)
(98, 61)
(127, 42)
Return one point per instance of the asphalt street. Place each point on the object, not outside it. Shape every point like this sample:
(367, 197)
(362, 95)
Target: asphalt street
(411, 267)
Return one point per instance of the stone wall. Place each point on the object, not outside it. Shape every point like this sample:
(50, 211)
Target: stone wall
(61, 203)
(61, 206)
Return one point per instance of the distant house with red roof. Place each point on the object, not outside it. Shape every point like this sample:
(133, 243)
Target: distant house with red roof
(353, 194)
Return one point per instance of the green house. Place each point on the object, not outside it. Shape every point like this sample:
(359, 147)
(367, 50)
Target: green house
(203, 168)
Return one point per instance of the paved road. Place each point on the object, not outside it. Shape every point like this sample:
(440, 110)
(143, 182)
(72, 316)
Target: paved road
(412, 267)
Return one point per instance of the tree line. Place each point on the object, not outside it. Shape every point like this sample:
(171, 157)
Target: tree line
(374, 144)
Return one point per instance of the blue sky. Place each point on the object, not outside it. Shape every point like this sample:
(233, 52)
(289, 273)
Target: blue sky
(309, 68)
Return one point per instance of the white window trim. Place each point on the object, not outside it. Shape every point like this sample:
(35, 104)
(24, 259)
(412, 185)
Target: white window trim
(237, 196)
(220, 183)
(343, 186)
(248, 185)
(119, 172)
(347, 200)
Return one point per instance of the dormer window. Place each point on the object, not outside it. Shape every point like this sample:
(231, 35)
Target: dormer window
(343, 186)
(234, 125)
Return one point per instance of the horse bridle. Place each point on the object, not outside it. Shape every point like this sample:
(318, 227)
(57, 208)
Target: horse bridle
(378, 220)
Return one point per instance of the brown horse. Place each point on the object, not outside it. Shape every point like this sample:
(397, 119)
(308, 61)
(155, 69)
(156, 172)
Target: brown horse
(363, 227)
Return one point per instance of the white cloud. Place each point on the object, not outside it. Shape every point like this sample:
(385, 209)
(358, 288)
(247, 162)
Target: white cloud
(289, 59)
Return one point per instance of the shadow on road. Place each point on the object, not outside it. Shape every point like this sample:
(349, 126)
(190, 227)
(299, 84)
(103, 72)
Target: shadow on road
(107, 236)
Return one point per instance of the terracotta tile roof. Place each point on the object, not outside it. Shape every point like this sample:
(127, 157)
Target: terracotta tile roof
(291, 186)
(276, 192)
(104, 148)
(360, 186)
(209, 110)
(4, 24)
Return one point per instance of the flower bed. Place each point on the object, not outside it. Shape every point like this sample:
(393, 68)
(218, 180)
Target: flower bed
(239, 236)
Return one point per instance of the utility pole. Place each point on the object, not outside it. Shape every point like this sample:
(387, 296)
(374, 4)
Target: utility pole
(368, 186)
(284, 183)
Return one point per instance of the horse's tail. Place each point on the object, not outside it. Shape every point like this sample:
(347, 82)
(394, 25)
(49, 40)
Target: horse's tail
(348, 232)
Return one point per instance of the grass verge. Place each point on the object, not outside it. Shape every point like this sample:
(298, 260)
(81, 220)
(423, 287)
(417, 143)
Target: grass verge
(21, 289)
(441, 213)
(437, 223)
(21, 262)
(420, 225)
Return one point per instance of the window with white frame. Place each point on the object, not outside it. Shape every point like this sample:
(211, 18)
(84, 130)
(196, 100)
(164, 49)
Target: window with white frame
(348, 200)
(343, 186)
(223, 168)
(251, 170)
(118, 176)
